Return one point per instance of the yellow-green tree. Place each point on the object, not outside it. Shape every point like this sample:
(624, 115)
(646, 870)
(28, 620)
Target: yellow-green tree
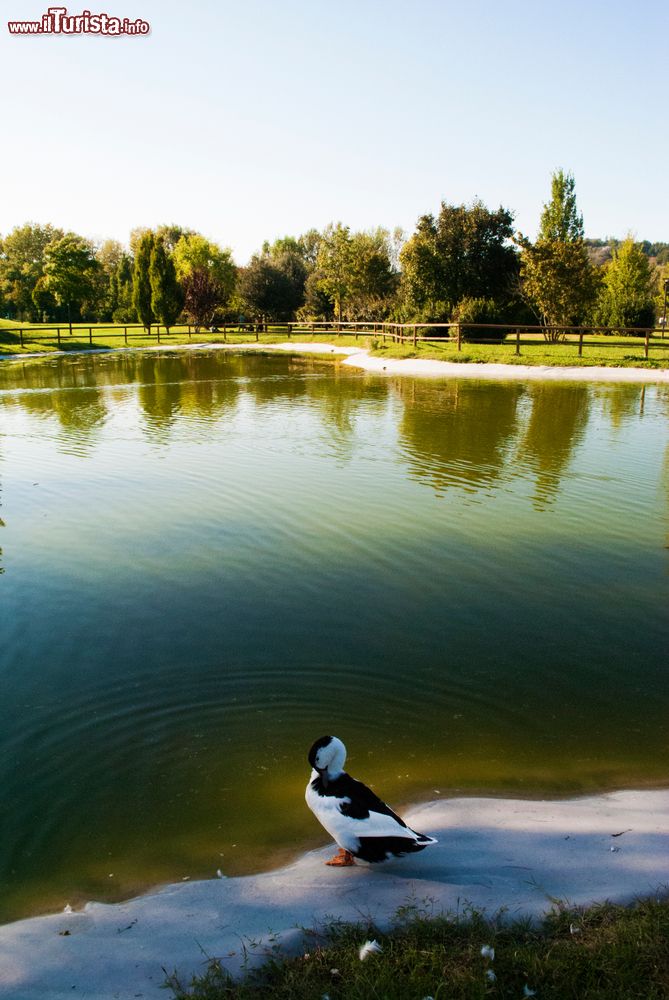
(628, 289)
(557, 278)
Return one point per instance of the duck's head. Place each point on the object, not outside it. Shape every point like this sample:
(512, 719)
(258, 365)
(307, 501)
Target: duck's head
(327, 756)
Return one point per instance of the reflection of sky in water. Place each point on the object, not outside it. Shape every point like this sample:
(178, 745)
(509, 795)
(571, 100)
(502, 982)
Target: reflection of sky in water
(210, 560)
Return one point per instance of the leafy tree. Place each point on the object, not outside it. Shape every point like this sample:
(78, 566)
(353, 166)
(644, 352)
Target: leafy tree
(463, 253)
(124, 311)
(141, 280)
(560, 219)
(208, 276)
(558, 280)
(355, 271)
(333, 264)
(194, 251)
(317, 303)
(166, 294)
(202, 297)
(22, 262)
(372, 279)
(70, 269)
(273, 288)
(44, 300)
(109, 255)
(628, 287)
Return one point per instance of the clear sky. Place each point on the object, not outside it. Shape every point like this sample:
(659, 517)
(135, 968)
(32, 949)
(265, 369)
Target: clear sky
(253, 119)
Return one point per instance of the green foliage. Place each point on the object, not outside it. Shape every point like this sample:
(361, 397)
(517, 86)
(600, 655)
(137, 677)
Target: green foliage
(141, 281)
(628, 286)
(123, 308)
(273, 287)
(355, 272)
(194, 252)
(559, 281)
(207, 275)
(22, 263)
(557, 277)
(202, 297)
(464, 253)
(317, 304)
(560, 220)
(166, 294)
(70, 269)
(470, 310)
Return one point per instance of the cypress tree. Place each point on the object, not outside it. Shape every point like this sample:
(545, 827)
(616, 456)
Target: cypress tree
(166, 295)
(141, 282)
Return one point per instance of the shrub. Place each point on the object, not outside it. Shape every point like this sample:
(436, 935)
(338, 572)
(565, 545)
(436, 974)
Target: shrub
(470, 310)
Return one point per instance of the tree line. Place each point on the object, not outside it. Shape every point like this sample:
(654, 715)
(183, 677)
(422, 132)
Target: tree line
(465, 263)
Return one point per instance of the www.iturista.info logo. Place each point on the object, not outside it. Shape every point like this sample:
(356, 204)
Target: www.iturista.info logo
(57, 21)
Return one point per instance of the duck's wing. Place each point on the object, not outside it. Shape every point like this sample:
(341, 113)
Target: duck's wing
(360, 802)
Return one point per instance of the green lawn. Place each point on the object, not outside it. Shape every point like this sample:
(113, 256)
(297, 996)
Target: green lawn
(597, 350)
(604, 953)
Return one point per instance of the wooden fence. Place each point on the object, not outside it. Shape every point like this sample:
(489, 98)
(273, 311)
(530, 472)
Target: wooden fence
(399, 333)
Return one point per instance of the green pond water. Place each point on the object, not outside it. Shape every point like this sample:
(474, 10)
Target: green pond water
(211, 559)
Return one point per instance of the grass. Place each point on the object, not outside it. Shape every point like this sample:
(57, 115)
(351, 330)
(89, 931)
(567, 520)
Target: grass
(598, 350)
(603, 953)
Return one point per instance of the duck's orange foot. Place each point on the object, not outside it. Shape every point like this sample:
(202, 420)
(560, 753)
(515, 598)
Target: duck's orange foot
(342, 859)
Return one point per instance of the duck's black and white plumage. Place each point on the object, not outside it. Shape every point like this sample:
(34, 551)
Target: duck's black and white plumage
(356, 818)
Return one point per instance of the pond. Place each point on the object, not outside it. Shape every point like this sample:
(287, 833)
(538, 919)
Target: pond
(210, 559)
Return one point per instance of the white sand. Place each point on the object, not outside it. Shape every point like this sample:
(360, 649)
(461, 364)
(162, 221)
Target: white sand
(358, 358)
(492, 853)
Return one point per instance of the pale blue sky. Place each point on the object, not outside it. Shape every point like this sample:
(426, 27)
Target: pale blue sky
(251, 120)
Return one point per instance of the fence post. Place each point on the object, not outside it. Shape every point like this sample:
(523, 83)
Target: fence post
(158, 331)
(518, 342)
(459, 337)
(21, 337)
(414, 335)
(58, 335)
(125, 334)
(580, 344)
(90, 335)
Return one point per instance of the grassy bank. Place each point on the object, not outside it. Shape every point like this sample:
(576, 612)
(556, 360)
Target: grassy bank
(604, 953)
(597, 350)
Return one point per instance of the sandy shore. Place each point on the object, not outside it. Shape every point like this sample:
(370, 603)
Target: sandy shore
(359, 358)
(492, 854)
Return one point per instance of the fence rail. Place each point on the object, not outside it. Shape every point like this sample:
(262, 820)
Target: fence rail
(399, 333)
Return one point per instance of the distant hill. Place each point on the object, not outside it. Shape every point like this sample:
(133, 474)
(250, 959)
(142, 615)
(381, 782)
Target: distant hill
(600, 251)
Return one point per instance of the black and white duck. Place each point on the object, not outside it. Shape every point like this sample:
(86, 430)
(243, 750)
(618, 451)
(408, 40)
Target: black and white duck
(356, 818)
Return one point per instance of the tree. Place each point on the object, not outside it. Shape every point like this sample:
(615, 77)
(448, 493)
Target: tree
(333, 264)
(166, 294)
(463, 253)
(208, 275)
(69, 271)
(194, 251)
(124, 311)
(109, 256)
(372, 279)
(557, 278)
(628, 287)
(561, 222)
(141, 281)
(22, 262)
(202, 297)
(273, 288)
